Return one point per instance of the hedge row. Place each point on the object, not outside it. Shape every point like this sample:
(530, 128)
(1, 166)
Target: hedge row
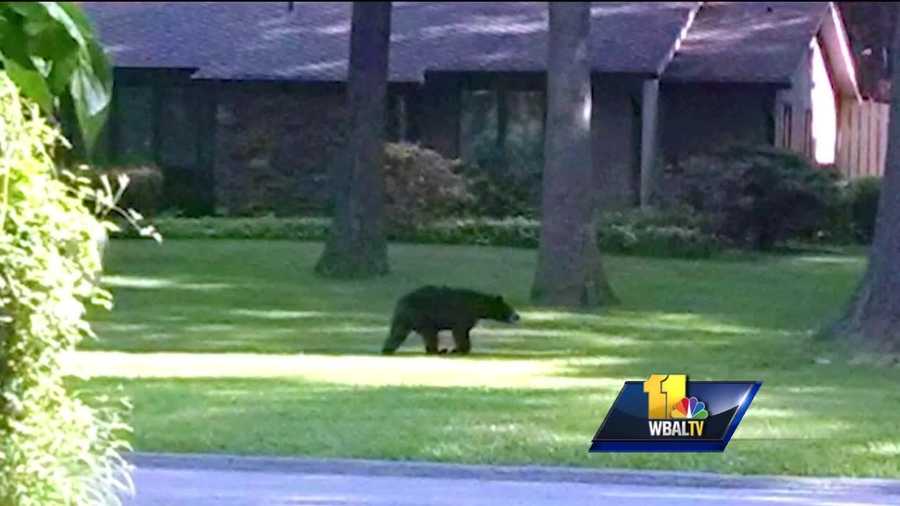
(622, 236)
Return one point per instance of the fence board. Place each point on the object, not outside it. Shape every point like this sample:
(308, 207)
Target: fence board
(876, 137)
(862, 138)
(843, 158)
(883, 121)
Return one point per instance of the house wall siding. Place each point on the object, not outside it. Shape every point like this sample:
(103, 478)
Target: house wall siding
(796, 136)
(274, 146)
(164, 118)
(616, 137)
(269, 147)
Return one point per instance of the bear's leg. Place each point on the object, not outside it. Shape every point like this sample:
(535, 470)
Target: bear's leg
(461, 337)
(430, 336)
(399, 331)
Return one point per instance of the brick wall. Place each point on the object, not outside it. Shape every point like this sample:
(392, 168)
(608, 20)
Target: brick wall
(274, 146)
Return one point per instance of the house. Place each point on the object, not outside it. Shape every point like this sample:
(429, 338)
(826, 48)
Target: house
(243, 103)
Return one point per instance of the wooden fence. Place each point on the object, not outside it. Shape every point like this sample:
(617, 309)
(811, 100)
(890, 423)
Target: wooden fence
(862, 138)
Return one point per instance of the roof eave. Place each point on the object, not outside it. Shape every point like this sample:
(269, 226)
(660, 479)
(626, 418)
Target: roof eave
(676, 45)
(837, 46)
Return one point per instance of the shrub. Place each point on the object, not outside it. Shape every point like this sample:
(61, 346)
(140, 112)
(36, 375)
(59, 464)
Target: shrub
(505, 182)
(863, 195)
(421, 186)
(145, 190)
(677, 232)
(758, 196)
(54, 448)
(624, 233)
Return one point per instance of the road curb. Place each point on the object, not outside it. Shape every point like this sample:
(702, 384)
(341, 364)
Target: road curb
(302, 465)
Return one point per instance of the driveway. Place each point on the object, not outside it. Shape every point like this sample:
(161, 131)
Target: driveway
(233, 481)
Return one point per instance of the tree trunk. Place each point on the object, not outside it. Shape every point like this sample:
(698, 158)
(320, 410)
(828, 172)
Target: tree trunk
(569, 271)
(873, 315)
(356, 245)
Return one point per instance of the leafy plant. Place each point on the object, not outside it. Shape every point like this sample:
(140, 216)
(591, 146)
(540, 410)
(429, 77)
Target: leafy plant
(421, 186)
(863, 195)
(145, 189)
(49, 51)
(758, 195)
(627, 233)
(505, 182)
(54, 449)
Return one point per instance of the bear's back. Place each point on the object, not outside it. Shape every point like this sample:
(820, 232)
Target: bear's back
(443, 303)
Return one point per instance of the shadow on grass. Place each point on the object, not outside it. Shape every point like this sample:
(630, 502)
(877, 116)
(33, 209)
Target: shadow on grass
(263, 296)
(479, 425)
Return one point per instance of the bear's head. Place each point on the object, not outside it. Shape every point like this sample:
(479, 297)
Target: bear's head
(501, 311)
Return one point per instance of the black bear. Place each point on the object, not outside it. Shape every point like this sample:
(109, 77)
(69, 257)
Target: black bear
(430, 309)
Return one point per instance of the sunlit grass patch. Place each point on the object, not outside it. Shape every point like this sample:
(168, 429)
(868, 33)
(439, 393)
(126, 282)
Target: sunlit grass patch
(355, 370)
(236, 346)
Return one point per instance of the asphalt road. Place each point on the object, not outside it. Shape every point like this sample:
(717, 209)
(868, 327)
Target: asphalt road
(381, 485)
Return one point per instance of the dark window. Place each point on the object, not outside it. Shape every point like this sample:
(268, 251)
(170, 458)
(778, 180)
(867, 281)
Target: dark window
(513, 129)
(786, 124)
(178, 133)
(134, 117)
(478, 129)
(397, 119)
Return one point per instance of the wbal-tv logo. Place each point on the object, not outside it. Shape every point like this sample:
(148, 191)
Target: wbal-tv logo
(668, 413)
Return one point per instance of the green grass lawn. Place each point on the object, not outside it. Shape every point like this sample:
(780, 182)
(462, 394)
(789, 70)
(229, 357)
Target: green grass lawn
(236, 346)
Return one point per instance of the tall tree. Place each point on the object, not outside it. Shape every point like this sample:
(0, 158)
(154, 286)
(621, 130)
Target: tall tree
(356, 246)
(569, 271)
(873, 315)
(870, 26)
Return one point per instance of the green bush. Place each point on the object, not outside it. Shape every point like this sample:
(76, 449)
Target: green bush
(505, 182)
(623, 233)
(54, 448)
(421, 186)
(862, 196)
(677, 232)
(758, 196)
(145, 189)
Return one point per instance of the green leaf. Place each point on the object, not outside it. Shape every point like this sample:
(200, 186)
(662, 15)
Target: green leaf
(91, 90)
(22, 70)
(77, 15)
(102, 72)
(30, 82)
(76, 30)
(49, 48)
(52, 43)
(61, 73)
(28, 10)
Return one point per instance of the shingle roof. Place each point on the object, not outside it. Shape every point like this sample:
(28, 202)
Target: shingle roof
(266, 41)
(726, 42)
(746, 42)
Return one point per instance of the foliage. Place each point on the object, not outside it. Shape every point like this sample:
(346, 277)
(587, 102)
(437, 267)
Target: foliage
(505, 182)
(862, 195)
(49, 51)
(421, 186)
(672, 233)
(628, 233)
(264, 227)
(758, 196)
(54, 449)
(144, 192)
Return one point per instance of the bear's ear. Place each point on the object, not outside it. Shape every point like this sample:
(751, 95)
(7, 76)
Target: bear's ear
(498, 298)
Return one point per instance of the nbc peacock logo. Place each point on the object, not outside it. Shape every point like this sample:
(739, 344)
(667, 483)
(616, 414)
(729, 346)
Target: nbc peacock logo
(690, 408)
